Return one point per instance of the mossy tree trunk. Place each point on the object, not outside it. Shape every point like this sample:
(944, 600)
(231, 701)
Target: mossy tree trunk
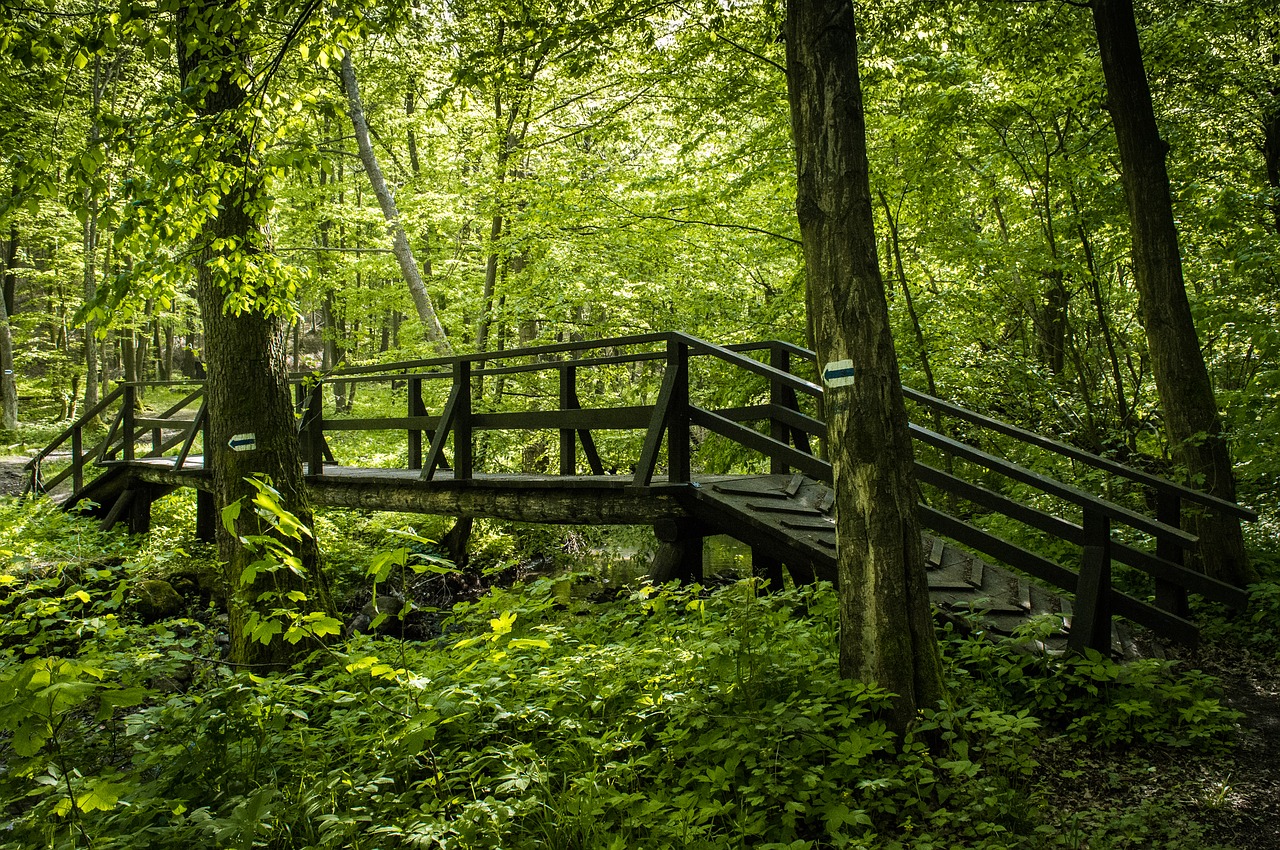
(886, 631)
(247, 389)
(1177, 364)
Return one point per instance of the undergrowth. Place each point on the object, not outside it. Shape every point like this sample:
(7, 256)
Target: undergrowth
(669, 718)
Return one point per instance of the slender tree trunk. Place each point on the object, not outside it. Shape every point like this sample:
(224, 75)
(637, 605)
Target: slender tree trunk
(247, 390)
(11, 264)
(90, 235)
(8, 382)
(1104, 323)
(410, 104)
(434, 331)
(886, 632)
(895, 245)
(1271, 138)
(1186, 394)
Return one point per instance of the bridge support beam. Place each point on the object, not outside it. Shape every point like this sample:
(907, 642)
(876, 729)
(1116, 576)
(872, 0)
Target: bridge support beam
(767, 568)
(206, 517)
(679, 554)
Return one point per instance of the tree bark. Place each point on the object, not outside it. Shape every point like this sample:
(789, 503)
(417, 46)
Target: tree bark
(8, 380)
(1271, 138)
(1182, 380)
(886, 632)
(247, 390)
(432, 328)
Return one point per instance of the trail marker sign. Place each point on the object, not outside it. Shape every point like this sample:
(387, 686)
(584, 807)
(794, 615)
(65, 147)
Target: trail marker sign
(838, 373)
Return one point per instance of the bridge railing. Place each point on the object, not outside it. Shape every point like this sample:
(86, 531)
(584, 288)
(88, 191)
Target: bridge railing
(1101, 530)
(668, 391)
(129, 433)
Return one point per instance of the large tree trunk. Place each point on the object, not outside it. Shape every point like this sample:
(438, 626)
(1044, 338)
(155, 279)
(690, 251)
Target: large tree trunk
(1186, 395)
(400, 242)
(247, 390)
(886, 632)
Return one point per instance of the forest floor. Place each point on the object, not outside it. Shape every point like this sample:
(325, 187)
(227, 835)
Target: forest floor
(1233, 797)
(1249, 812)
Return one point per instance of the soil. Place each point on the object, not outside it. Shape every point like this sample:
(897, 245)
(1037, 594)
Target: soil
(1247, 810)
(12, 475)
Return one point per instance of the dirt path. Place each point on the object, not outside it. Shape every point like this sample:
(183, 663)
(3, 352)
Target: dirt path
(12, 475)
(1247, 813)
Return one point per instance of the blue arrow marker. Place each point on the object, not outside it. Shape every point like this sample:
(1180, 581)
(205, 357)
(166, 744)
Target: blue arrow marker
(243, 442)
(838, 373)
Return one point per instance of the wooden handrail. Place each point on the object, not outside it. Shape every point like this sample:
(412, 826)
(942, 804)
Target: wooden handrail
(1155, 482)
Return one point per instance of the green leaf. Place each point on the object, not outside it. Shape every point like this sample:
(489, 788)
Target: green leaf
(100, 796)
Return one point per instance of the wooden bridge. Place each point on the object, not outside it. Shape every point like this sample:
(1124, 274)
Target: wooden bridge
(693, 439)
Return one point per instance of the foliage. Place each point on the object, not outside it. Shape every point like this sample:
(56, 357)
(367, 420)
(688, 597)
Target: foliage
(669, 718)
(1092, 699)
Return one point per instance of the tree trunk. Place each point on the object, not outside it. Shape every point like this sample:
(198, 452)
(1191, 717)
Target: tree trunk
(1271, 138)
(247, 390)
(886, 632)
(11, 264)
(410, 103)
(432, 328)
(8, 382)
(1186, 395)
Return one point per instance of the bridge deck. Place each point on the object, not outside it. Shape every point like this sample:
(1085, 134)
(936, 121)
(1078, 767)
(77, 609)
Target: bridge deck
(786, 517)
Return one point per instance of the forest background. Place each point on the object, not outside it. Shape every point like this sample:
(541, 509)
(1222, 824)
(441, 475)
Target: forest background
(593, 169)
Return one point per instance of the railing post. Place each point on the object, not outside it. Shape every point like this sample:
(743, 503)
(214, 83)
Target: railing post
(463, 448)
(126, 422)
(314, 424)
(568, 399)
(780, 359)
(1091, 620)
(1169, 596)
(416, 408)
(206, 509)
(678, 413)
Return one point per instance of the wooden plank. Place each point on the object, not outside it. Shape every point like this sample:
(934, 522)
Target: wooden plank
(631, 418)
(586, 362)
(657, 426)
(436, 453)
(746, 490)
(935, 552)
(1053, 487)
(750, 364)
(142, 423)
(802, 525)
(1032, 438)
(187, 399)
(589, 450)
(766, 445)
(104, 447)
(794, 485)
(798, 510)
(384, 423)
(1015, 556)
(117, 510)
(828, 501)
